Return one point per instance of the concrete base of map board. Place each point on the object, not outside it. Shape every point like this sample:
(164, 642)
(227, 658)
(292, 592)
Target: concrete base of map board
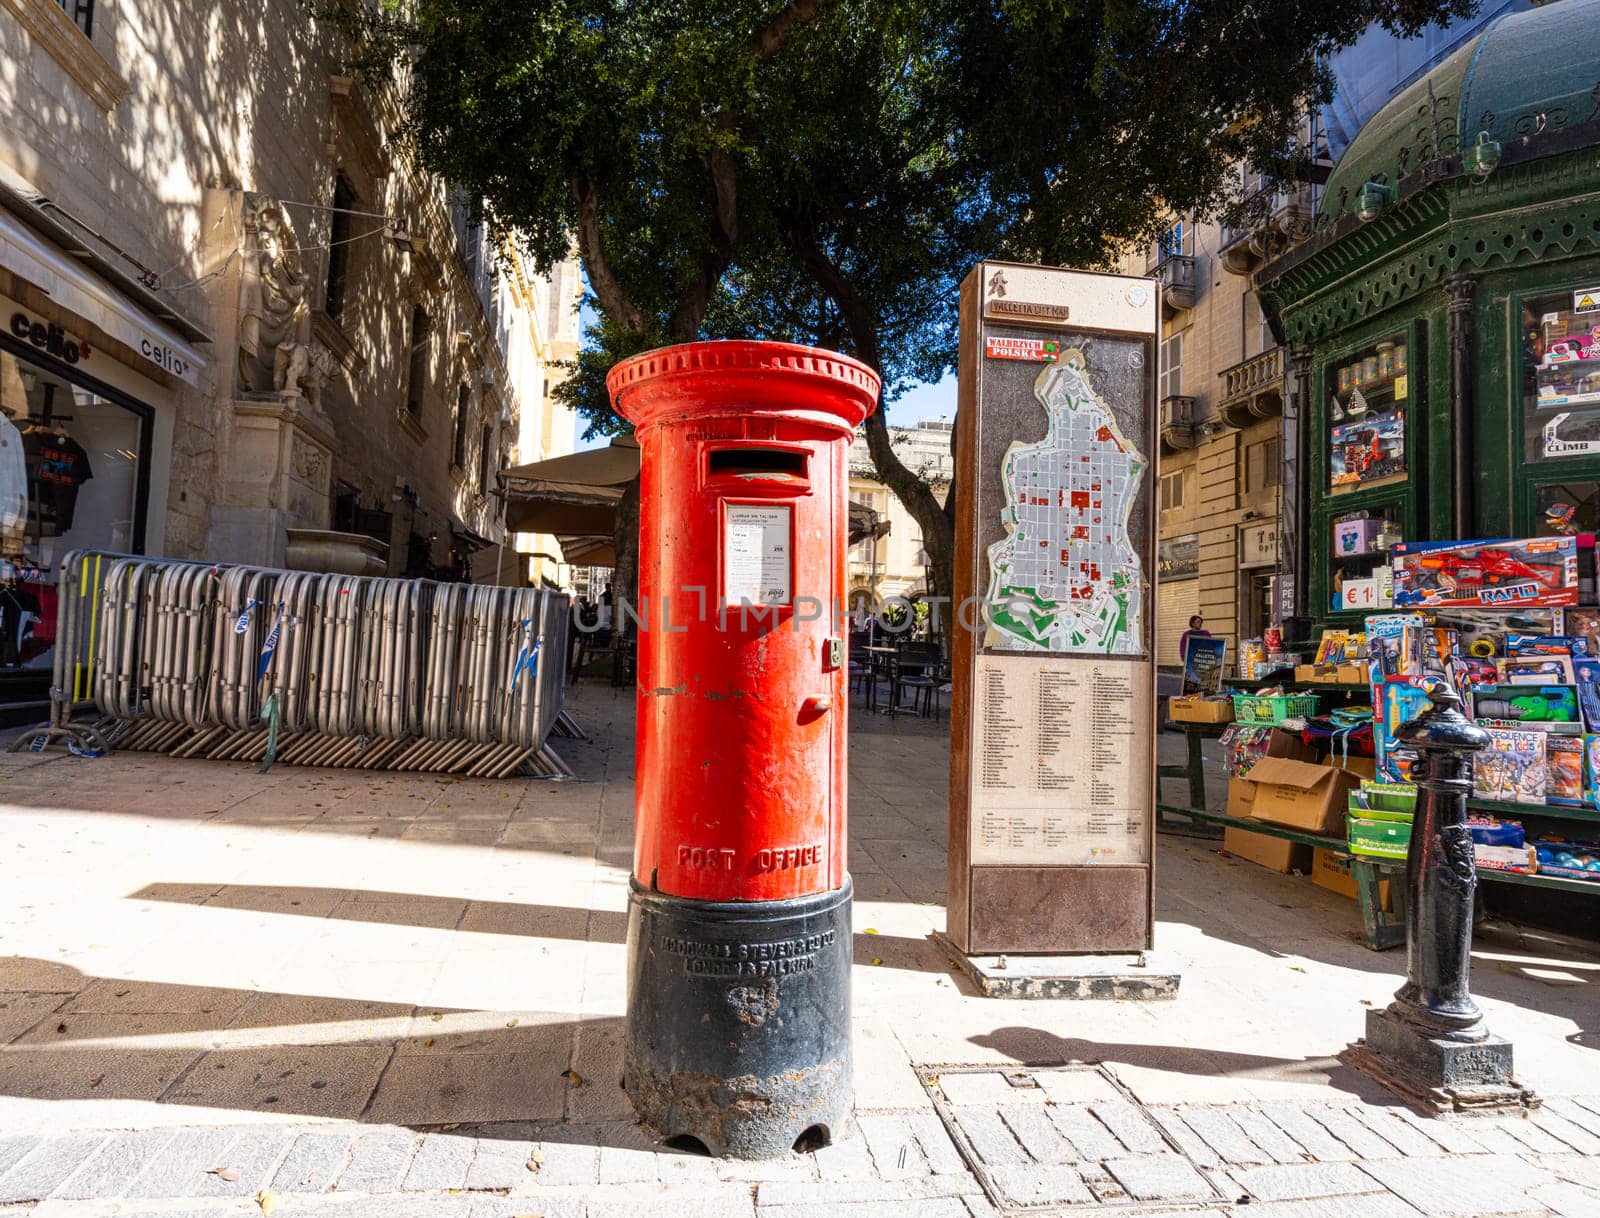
(1142, 977)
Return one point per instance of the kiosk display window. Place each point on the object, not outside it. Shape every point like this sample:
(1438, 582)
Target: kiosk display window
(1561, 375)
(1367, 397)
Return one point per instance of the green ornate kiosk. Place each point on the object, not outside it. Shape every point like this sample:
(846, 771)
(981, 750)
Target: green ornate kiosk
(1456, 241)
(1444, 321)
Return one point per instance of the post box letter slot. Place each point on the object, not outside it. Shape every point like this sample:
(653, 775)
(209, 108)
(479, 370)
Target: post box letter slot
(784, 466)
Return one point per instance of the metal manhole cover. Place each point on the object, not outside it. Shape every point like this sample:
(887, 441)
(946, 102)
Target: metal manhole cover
(1054, 1137)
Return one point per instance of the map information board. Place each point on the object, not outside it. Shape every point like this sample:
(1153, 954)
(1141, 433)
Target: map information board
(1052, 781)
(1068, 576)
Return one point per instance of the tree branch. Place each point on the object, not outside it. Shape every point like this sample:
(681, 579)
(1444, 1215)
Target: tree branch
(938, 532)
(769, 41)
(613, 299)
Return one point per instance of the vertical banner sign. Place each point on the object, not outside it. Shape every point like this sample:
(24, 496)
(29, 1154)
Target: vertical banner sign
(1052, 723)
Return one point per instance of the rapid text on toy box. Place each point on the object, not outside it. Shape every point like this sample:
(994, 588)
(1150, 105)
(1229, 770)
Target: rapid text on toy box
(1507, 573)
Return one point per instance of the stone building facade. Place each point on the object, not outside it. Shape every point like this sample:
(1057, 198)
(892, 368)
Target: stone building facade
(1221, 400)
(283, 325)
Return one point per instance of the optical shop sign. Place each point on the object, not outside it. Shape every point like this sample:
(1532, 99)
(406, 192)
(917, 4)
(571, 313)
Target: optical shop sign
(55, 342)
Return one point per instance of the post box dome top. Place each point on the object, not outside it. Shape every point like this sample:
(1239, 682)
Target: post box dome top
(736, 376)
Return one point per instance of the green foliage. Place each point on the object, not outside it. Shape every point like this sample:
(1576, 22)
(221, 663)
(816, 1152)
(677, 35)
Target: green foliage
(826, 171)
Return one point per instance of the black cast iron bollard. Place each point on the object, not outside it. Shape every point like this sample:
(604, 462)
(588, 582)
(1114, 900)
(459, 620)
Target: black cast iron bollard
(1431, 1044)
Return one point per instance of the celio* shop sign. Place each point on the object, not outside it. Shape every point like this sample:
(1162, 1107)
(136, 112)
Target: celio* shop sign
(49, 338)
(54, 341)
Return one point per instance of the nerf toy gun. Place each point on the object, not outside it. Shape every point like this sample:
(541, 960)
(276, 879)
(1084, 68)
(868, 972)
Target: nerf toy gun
(1535, 704)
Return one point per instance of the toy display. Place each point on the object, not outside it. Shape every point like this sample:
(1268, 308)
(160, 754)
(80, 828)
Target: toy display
(1500, 845)
(1510, 573)
(1573, 859)
(1367, 449)
(1535, 707)
(1358, 536)
(1512, 768)
(1563, 782)
(1582, 624)
(1540, 670)
(1586, 673)
(1545, 645)
(1591, 771)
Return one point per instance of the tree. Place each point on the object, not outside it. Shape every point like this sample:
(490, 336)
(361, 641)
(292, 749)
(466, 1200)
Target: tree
(831, 170)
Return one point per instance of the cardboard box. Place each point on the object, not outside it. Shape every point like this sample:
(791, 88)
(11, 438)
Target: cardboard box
(1273, 853)
(1195, 709)
(1330, 871)
(1331, 674)
(1241, 796)
(1299, 795)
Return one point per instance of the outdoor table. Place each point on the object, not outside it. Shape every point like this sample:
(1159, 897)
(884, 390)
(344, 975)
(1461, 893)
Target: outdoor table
(1193, 768)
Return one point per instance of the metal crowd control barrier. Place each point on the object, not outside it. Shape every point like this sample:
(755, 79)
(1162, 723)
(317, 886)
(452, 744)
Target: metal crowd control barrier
(251, 663)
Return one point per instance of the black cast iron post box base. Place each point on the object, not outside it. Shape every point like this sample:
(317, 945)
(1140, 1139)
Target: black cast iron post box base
(1431, 1045)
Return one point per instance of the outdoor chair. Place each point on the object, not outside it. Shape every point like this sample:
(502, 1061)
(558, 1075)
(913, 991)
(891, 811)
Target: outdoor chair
(916, 668)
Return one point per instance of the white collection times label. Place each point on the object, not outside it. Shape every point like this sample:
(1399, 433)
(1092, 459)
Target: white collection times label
(1061, 762)
(756, 566)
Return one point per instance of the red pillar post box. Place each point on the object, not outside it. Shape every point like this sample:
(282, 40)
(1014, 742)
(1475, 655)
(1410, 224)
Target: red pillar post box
(738, 1027)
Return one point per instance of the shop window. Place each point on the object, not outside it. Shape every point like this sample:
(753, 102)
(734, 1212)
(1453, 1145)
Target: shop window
(1367, 396)
(1565, 509)
(1359, 547)
(1172, 490)
(1172, 366)
(82, 14)
(73, 475)
(485, 449)
(417, 362)
(1263, 464)
(1561, 375)
(344, 200)
(458, 441)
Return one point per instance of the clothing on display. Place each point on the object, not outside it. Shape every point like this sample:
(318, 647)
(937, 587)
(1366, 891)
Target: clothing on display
(13, 488)
(60, 467)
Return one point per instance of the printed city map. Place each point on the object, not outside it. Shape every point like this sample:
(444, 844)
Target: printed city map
(1067, 577)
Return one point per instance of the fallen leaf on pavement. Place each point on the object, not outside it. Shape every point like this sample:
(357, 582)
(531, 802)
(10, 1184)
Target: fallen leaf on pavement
(877, 960)
(267, 1200)
(436, 1018)
(869, 931)
(511, 1023)
(230, 1174)
(574, 1079)
(428, 1044)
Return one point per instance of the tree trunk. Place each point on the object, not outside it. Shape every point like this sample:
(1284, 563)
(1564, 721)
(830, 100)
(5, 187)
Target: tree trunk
(938, 532)
(625, 575)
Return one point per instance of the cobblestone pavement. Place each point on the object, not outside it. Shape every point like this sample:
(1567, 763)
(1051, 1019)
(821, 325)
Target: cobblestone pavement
(352, 995)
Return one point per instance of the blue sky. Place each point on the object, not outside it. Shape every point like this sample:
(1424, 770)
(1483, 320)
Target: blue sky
(922, 401)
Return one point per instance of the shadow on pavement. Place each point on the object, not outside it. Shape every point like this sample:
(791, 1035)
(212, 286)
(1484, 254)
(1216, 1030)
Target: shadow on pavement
(300, 1056)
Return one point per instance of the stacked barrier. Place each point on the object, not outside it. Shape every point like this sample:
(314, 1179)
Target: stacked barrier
(252, 663)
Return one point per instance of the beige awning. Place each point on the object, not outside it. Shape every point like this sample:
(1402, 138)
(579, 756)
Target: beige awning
(576, 498)
(574, 495)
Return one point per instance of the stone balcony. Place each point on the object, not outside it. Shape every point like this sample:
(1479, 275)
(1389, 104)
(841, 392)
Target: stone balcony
(1252, 389)
(1273, 218)
(1177, 276)
(1178, 422)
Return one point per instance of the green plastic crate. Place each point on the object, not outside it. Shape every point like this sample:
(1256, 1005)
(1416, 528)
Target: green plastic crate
(1390, 796)
(1381, 839)
(1273, 708)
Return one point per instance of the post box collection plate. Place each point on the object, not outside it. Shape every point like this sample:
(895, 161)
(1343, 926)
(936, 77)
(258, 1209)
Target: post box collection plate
(739, 953)
(1052, 704)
